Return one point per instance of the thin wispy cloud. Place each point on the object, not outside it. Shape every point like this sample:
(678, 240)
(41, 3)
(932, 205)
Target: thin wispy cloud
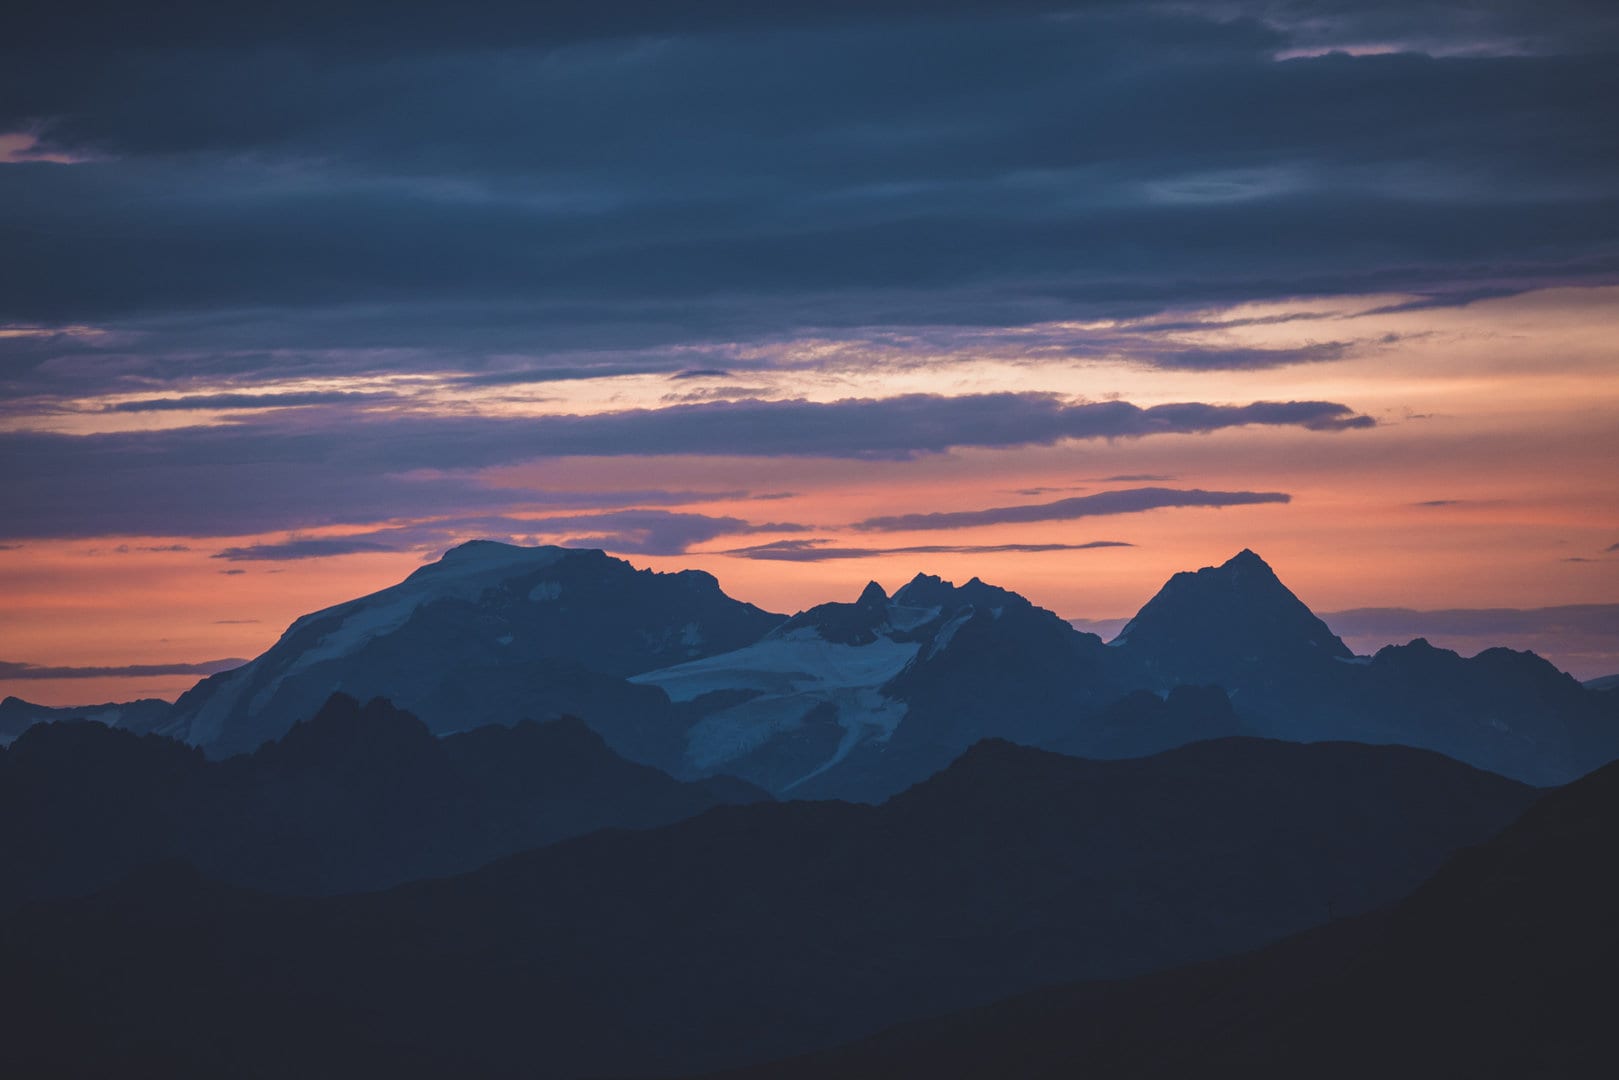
(10, 669)
(249, 401)
(1127, 501)
(826, 550)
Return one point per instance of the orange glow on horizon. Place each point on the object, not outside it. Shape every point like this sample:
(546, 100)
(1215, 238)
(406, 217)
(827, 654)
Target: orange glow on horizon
(1487, 483)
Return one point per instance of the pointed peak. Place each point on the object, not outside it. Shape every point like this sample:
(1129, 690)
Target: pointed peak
(1203, 625)
(872, 594)
(924, 590)
(1248, 560)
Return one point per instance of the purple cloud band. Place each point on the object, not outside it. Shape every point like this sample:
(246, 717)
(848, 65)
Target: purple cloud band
(301, 469)
(13, 670)
(1127, 501)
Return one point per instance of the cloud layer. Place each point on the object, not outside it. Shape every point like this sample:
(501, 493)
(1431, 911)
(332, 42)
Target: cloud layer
(326, 469)
(258, 192)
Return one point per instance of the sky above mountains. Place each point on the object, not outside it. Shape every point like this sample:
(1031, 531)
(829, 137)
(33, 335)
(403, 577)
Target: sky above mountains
(1066, 295)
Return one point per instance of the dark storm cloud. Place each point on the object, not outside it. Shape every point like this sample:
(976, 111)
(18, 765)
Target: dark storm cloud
(368, 25)
(321, 469)
(13, 670)
(404, 25)
(823, 550)
(1128, 501)
(633, 175)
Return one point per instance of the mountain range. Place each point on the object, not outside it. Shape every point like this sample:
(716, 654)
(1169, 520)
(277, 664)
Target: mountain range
(860, 700)
(591, 820)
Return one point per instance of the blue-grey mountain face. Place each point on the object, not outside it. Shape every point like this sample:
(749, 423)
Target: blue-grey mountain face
(1237, 626)
(1230, 623)
(491, 633)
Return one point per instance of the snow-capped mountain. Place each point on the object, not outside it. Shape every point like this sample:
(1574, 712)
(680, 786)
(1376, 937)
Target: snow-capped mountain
(793, 704)
(490, 633)
(859, 700)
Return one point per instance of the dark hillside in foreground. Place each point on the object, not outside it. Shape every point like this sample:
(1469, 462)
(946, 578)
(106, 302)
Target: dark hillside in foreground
(355, 798)
(750, 932)
(1502, 965)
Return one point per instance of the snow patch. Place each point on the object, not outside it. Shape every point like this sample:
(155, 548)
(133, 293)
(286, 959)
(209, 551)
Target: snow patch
(463, 574)
(797, 661)
(209, 721)
(792, 673)
(904, 617)
(545, 590)
(941, 640)
(868, 716)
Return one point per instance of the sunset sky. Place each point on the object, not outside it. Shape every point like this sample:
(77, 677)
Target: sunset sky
(1065, 295)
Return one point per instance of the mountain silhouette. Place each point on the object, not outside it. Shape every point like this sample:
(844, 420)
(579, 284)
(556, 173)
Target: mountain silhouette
(358, 797)
(140, 716)
(1499, 966)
